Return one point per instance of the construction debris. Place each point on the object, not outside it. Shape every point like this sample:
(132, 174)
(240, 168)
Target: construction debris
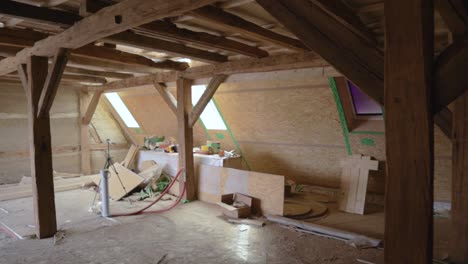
(352, 239)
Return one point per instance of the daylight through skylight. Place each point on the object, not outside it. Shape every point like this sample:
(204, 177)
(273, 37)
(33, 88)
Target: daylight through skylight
(122, 110)
(210, 117)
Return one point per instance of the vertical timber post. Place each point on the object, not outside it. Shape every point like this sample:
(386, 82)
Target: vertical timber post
(185, 136)
(40, 150)
(459, 243)
(409, 131)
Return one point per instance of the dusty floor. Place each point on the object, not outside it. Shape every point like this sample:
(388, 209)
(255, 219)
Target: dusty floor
(191, 233)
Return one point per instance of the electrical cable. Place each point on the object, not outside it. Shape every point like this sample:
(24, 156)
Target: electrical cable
(143, 210)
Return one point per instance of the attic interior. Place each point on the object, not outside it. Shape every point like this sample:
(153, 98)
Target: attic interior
(235, 131)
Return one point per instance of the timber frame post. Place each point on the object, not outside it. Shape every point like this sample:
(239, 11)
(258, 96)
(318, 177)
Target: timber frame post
(187, 117)
(409, 131)
(41, 86)
(459, 242)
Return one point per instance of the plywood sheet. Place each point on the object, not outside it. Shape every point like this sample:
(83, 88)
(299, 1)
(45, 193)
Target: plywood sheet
(267, 188)
(119, 188)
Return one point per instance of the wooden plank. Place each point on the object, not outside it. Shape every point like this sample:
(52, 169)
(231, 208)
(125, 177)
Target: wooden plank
(108, 21)
(354, 183)
(40, 151)
(410, 157)
(84, 135)
(267, 64)
(159, 45)
(166, 96)
(52, 82)
(122, 181)
(240, 25)
(86, 119)
(267, 189)
(100, 73)
(130, 157)
(210, 90)
(459, 238)
(347, 52)
(170, 30)
(185, 137)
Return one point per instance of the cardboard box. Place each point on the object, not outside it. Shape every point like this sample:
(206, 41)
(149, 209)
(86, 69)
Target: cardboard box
(230, 205)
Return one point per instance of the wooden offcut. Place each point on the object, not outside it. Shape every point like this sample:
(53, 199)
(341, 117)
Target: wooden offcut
(130, 157)
(354, 179)
(409, 131)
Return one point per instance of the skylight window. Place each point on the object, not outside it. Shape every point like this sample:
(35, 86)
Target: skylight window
(122, 110)
(363, 104)
(210, 117)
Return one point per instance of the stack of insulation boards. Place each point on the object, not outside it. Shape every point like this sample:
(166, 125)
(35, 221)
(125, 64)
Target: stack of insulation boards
(24, 188)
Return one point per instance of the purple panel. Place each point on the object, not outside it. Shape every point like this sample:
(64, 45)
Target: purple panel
(363, 104)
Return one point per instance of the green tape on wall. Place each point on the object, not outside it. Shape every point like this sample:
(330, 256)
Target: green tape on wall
(367, 142)
(341, 114)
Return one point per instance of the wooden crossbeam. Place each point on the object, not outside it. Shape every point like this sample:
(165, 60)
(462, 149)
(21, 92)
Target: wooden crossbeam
(52, 82)
(197, 110)
(100, 73)
(170, 100)
(409, 38)
(240, 25)
(170, 30)
(159, 45)
(91, 108)
(267, 64)
(16, 39)
(106, 22)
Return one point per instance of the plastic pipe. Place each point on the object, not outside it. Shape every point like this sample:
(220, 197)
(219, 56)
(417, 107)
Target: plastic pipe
(104, 193)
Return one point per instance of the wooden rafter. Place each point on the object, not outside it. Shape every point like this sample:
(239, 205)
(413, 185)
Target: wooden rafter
(159, 45)
(106, 22)
(356, 59)
(215, 82)
(245, 27)
(170, 30)
(455, 15)
(12, 40)
(52, 82)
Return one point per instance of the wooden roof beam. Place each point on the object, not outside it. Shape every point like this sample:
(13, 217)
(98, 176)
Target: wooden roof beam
(106, 22)
(25, 38)
(170, 30)
(242, 26)
(455, 15)
(159, 45)
(356, 59)
(267, 64)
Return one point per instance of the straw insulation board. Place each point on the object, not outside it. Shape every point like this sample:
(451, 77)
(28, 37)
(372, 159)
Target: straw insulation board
(267, 188)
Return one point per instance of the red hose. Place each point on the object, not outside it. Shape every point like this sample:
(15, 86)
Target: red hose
(141, 211)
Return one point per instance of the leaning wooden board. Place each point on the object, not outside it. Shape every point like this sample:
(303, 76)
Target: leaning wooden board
(267, 188)
(119, 188)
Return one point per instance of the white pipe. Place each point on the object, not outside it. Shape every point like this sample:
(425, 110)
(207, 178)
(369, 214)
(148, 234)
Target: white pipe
(104, 193)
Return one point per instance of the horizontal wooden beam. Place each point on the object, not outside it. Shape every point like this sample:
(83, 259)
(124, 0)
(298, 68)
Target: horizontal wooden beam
(11, 39)
(99, 73)
(267, 64)
(153, 44)
(242, 26)
(170, 30)
(106, 22)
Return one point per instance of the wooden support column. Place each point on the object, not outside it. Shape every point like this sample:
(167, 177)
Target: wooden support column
(40, 149)
(85, 98)
(459, 243)
(409, 131)
(185, 136)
